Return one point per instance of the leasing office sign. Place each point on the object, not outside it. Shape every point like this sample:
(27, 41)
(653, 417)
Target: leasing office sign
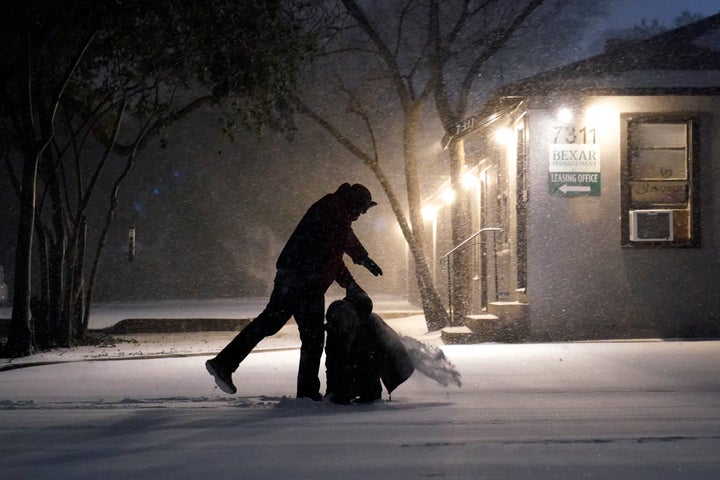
(574, 169)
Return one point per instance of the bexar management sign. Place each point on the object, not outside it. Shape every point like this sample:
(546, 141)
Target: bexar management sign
(574, 169)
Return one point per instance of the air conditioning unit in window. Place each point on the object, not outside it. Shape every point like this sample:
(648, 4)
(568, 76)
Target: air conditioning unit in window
(651, 225)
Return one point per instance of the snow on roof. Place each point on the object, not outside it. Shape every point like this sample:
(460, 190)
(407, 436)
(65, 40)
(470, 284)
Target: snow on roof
(684, 58)
(638, 81)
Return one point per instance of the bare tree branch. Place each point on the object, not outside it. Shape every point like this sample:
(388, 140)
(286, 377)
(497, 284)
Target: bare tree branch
(333, 131)
(501, 39)
(383, 52)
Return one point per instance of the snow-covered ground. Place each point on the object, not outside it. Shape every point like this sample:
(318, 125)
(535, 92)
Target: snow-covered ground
(148, 409)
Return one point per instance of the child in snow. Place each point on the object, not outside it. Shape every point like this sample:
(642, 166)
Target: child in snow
(361, 351)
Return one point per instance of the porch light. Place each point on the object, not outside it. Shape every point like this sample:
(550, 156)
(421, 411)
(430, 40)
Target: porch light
(448, 196)
(564, 115)
(503, 135)
(469, 180)
(598, 115)
(429, 212)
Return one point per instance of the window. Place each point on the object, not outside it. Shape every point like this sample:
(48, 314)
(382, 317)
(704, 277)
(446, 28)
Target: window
(659, 181)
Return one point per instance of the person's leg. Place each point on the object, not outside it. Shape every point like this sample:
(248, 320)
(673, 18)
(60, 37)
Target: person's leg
(309, 316)
(227, 361)
(341, 323)
(276, 314)
(366, 378)
(268, 323)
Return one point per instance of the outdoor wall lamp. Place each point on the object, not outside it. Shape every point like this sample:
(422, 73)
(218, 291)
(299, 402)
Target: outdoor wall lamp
(597, 115)
(448, 196)
(503, 135)
(429, 212)
(469, 180)
(564, 115)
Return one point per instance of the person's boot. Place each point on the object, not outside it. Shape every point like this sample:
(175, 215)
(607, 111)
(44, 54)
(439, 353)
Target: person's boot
(222, 374)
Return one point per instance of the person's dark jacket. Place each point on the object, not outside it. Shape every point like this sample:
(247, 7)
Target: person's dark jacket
(316, 247)
(361, 350)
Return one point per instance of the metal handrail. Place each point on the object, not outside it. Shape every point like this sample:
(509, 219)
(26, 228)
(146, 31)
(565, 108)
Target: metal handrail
(470, 238)
(461, 246)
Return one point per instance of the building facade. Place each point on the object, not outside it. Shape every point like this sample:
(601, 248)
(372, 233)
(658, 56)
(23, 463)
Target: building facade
(600, 210)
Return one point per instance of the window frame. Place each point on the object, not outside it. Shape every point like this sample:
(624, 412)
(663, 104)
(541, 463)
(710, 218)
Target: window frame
(692, 123)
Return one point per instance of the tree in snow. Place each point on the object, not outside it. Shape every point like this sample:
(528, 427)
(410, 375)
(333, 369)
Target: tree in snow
(381, 65)
(85, 85)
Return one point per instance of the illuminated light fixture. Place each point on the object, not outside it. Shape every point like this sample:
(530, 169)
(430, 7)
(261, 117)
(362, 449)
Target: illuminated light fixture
(429, 212)
(468, 180)
(503, 136)
(598, 115)
(564, 115)
(448, 196)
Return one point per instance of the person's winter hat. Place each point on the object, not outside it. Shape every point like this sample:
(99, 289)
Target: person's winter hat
(362, 302)
(361, 197)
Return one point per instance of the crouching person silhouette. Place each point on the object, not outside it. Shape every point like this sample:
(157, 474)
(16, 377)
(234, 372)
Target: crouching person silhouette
(361, 351)
(310, 262)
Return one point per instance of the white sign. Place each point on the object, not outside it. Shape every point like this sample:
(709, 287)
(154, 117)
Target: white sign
(574, 157)
(574, 169)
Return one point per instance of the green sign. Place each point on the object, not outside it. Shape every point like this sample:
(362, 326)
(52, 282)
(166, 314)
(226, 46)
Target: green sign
(574, 183)
(574, 170)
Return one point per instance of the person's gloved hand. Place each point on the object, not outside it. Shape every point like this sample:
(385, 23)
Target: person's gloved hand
(372, 267)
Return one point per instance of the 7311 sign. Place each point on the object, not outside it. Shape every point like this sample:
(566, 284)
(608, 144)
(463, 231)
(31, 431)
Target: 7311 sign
(565, 134)
(465, 126)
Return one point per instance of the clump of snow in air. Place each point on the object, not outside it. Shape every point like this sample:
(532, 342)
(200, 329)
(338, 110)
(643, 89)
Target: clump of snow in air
(431, 362)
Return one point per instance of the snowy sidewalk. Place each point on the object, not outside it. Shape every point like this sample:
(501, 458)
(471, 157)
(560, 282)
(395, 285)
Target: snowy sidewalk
(601, 410)
(185, 344)
(106, 315)
(404, 317)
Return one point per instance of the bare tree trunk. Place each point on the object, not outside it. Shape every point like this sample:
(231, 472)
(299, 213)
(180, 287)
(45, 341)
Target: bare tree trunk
(103, 238)
(461, 231)
(56, 311)
(435, 313)
(20, 336)
(411, 175)
(129, 163)
(436, 316)
(75, 301)
(38, 304)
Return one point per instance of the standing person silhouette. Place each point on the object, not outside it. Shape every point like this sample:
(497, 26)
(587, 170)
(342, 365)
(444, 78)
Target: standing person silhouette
(310, 262)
